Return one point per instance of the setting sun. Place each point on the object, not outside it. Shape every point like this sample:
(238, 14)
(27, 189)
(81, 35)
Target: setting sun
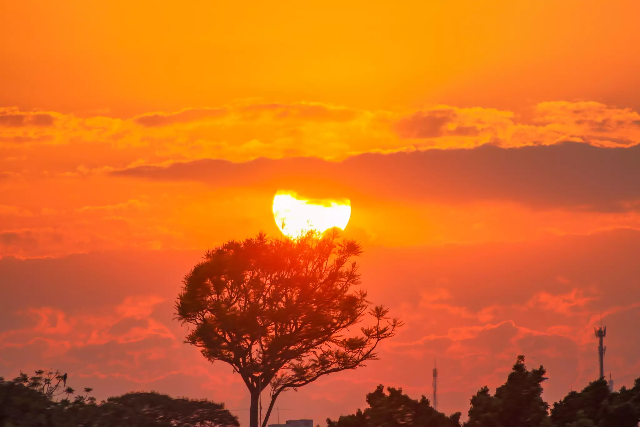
(296, 216)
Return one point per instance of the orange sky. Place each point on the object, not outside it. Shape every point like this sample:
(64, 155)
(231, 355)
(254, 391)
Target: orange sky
(489, 151)
(131, 57)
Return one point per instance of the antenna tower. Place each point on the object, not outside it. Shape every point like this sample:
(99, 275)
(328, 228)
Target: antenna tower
(435, 386)
(600, 334)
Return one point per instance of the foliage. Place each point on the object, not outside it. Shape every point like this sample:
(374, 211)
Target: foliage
(279, 311)
(396, 409)
(517, 403)
(597, 405)
(176, 411)
(21, 405)
(49, 383)
(25, 402)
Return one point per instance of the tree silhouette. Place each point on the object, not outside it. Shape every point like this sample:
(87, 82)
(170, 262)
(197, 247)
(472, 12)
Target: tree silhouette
(50, 383)
(31, 401)
(24, 403)
(516, 403)
(176, 412)
(396, 409)
(597, 405)
(279, 311)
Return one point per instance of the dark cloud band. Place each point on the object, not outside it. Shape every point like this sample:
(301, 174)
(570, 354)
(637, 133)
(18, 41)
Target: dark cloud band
(570, 175)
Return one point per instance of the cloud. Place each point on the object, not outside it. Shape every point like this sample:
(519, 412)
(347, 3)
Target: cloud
(132, 204)
(50, 321)
(299, 112)
(14, 211)
(564, 303)
(20, 139)
(13, 118)
(138, 307)
(185, 116)
(18, 238)
(105, 324)
(127, 324)
(243, 132)
(570, 175)
(434, 124)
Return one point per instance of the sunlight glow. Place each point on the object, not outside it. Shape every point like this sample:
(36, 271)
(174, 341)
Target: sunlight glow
(296, 216)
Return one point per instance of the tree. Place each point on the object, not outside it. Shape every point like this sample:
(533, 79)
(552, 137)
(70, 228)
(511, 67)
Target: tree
(50, 383)
(484, 411)
(280, 311)
(581, 405)
(396, 409)
(516, 403)
(597, 405)
(25, 403)
(176, 412)
(21, 405)
(32, 400)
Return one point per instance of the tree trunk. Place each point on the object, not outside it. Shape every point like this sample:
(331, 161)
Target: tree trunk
(268, 414)
(253, 413)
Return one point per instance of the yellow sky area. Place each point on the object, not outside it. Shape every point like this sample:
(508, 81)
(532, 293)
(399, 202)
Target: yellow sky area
(131, 57)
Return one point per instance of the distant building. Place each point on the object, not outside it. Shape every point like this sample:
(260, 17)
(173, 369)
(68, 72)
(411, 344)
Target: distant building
(294, 423)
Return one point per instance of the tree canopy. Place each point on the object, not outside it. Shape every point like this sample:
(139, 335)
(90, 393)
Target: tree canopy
(282, 312)
(597, 405)
(25, 402)
(516, 403)
(395, 409)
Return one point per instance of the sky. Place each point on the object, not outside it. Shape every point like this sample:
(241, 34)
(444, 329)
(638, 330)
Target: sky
(489, 151)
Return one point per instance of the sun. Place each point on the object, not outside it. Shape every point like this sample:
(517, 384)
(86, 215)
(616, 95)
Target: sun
(297, 216)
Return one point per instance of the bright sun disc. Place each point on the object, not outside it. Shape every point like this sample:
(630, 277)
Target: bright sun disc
(295, 217)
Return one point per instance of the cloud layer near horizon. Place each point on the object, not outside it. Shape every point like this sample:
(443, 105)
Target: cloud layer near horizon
(569, 175)
(242, 132)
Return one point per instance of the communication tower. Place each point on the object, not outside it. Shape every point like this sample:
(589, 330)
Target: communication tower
(600, 334)
(435, 386)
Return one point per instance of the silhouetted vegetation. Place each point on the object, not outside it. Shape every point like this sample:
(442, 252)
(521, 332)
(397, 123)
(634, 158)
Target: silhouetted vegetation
(516, 403)
(278, 311)
(597, 406)
(396, 409)
(31, 401)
